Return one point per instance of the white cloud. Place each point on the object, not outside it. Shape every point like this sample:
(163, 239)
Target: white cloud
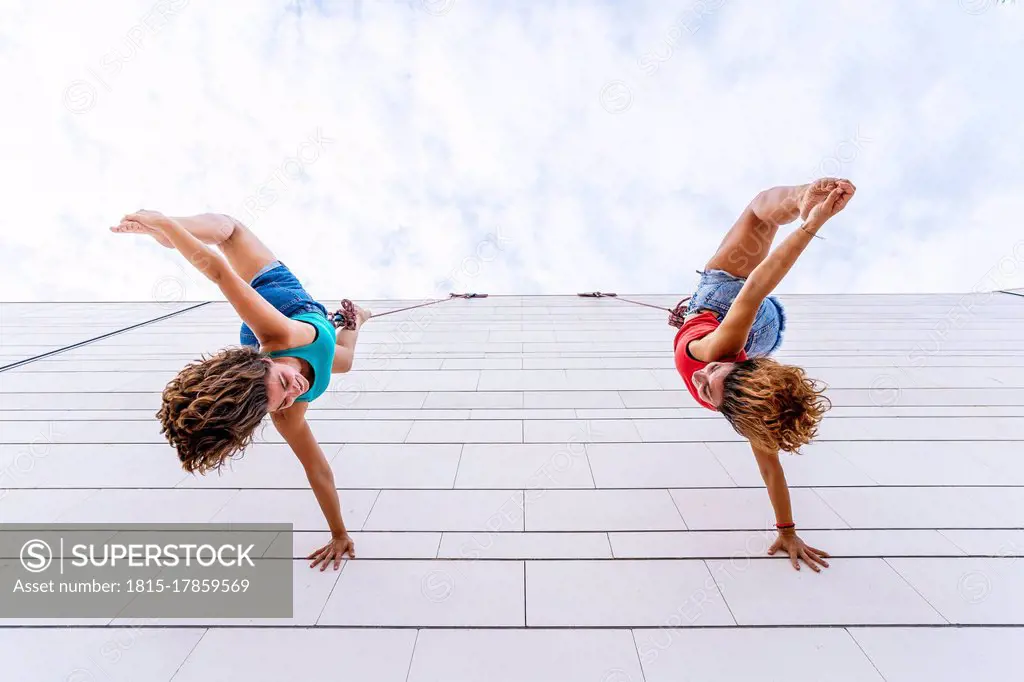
(442, 129)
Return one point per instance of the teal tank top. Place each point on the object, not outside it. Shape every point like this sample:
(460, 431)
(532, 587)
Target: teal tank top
(319, 355)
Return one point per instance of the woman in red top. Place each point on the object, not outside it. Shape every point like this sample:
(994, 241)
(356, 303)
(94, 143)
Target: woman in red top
(732, 325)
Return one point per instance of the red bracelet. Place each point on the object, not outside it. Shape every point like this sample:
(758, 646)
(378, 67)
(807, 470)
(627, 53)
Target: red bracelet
(783, 526)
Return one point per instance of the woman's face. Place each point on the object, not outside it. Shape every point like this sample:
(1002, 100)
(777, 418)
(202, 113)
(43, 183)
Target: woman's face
(710, 381)
(285, 383)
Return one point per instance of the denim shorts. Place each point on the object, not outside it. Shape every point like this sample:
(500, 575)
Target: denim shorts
(716, 292)
(276, 283)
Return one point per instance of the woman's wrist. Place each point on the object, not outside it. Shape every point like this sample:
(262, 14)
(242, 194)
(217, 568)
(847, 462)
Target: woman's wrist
(786, 528)
(811, 228)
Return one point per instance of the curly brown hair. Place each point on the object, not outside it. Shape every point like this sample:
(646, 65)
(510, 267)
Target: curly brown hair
(212, 407)
(774, 406)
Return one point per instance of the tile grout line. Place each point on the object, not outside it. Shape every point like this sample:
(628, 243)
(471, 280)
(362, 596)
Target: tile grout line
(189, 654)
(568, 628)
(58, 351)
(526, 617)
(636, 649)
(917, 592)
(316, 623)
(814, 489)
(362, 526)
(675, 505)
(590, 465)
(720, 464)
(412, 655)
(718, 588)
(458, 465)
(857, 643)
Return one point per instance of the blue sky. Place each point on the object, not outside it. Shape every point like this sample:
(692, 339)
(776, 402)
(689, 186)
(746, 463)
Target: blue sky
(390, 148)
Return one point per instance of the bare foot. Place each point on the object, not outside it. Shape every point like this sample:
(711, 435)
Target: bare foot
(135, 227)
(815, 193)
(362, 315)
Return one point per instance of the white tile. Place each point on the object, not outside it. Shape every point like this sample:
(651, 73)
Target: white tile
(1003, 458)
(849, 592)
(525, 655)
(525, 546)
(942, 654)
(297, 507)
(690, 544)
(482, 363)
(884, 543)
(263, 465)
(656, 465)
(819, 464)
(113, 505)
(969, 590)
(373, 545)
(89, 466)
(750, 508)
(522, 380)
(639, 413)
(572, 399)
(611, 380)
(428, 593)
(920, 463)
(479, 431)
(522, 466)
(596, 510)
(39, 506)
(274, 654)
(523, 414)
(686, 430)
(668, 655)
(347, 431)
(622, 593)
(999, 543)
(380, 465)
(28, 432)
(927, 507)
(580, 431)
(380, 400)
(950, 428)
(474, 400)
(310, 589)
(83, 655)
(645, 399)
(447, 510)
(443, 380)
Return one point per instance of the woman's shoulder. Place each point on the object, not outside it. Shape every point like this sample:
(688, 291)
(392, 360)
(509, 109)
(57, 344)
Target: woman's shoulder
(299, 332)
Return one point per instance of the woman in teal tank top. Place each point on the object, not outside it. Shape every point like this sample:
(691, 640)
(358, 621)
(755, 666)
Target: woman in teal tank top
(212, 408)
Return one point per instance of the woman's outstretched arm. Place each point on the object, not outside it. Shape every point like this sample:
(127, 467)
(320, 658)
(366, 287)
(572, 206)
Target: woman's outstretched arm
(269, 325)
(293, 427)
(778, 492)
(731, 336)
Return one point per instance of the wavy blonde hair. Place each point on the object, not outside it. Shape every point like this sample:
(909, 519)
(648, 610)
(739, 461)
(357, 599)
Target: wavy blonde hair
(774, 406)
(212, 407)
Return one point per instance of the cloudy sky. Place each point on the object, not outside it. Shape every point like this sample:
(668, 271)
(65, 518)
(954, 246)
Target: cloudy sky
(402, 148)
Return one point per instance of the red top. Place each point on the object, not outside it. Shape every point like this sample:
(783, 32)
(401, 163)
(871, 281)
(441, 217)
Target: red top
(697, 328)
